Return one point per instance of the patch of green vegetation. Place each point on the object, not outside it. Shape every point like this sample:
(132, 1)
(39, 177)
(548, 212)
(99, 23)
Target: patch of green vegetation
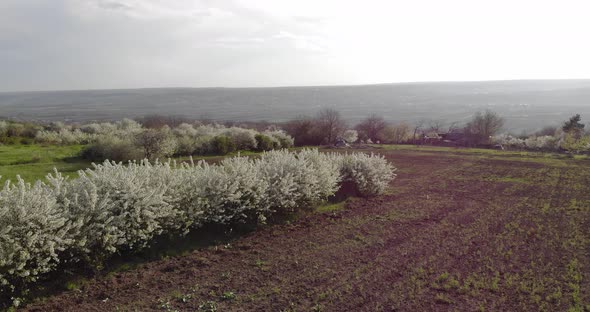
(574, 282)
(209, 306)
(331, 207)
(34, 162)
(512, 180)
(546, 207)
(228, 295)
(226, 275)
(262, 265)
(166, 306)
(442, 298)
(445, 282)
(74, 284)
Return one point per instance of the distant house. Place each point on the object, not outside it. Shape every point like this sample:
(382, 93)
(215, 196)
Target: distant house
(432, 138)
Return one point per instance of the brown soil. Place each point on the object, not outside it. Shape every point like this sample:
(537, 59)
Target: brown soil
(456, 232)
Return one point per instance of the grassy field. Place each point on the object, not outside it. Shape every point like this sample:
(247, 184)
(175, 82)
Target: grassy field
(34, 162)
(458, 231)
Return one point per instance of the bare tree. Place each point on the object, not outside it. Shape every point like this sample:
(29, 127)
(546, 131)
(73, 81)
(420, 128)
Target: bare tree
(372, 128)
(435, 126)
(330, 124)
(547, 130)
(453, 127)
(396, 134)
(417, 127)
(483, 126)
(303, 130)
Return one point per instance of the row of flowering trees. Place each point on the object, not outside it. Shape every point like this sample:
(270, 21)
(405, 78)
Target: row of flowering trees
(128, 140)
(116, 208)
(570, 137)
(547, 143)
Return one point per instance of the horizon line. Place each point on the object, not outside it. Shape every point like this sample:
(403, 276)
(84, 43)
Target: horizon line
(304, 86)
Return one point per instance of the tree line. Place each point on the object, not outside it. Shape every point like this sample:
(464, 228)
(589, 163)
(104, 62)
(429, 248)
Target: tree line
(326, 127)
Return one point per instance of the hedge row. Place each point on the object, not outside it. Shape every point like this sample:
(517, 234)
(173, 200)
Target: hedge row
(117, 207)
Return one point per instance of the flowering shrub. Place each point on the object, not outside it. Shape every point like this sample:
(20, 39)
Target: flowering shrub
(541, 143)
(34, 229)
(64, 137)
(156, 143)
(244, 139)
(370, 173)
(281, 139)
(544, 143)
(128, 205)
(232, 192)
(508, 141)
(3, 127)
(350, 136)
(116, 207)
(297, 179)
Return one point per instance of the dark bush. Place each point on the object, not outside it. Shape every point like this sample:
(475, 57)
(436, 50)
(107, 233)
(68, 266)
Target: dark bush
(9, 140)
(283, 142)
(112, 149)
(265, 143)
(26, 141)
(222, 145)
(304, 131)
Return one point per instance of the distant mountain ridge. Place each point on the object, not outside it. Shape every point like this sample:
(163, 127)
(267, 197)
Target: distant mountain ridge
(526, 104)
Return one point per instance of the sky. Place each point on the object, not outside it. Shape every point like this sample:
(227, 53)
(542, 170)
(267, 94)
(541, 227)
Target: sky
(109, 44)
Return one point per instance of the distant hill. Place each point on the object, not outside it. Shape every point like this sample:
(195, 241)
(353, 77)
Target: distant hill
(526, 104)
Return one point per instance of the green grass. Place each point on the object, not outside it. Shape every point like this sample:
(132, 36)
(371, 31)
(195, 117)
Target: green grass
(331, 207)
(33, 162)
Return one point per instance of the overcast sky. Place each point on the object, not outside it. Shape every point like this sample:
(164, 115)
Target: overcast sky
(92, 44)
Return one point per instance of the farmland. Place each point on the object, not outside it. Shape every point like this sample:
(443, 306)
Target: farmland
(459, 229)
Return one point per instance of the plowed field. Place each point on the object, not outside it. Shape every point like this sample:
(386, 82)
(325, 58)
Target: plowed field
(457, 231)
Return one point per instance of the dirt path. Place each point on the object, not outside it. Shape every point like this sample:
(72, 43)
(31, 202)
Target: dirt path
(455, 233)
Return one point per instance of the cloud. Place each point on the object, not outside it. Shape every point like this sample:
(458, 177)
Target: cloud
(302, 42)
(114, 5)
(80, 44)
